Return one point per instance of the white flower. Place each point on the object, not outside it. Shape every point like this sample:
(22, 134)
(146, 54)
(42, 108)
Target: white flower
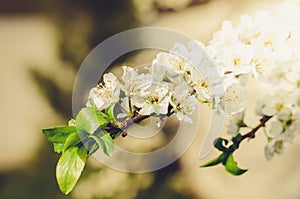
(276, 128)
(288, 135)
(231, 54)
(272, 104)
(284, 114)
(287, 125)
(169, 66)
(295, 127)
(231, 102)
(107, 94)
(193, 53)
(264, 45)
(134, 84)
(156, 102)
(281, 106)
(236, 123)
(295, 98)
(180, 50)
(183, 102)
(200, 86)
(275, 146)
(278, 75)
(126, 108)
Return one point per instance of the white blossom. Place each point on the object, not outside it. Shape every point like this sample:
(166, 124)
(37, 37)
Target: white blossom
(156, 102)
(134, 84)
(236, 123)
(273, 147)
(126, 108)
(105, 94)
(183, 102)
(274, 103)
(276, 128)
(170, 67)
(231, 102)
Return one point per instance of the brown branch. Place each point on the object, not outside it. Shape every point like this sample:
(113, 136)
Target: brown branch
(121, 126)
(262, 123)
(132, 120)
(237, 140)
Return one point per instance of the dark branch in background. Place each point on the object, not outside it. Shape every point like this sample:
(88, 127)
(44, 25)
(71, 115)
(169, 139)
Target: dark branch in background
(58, 98)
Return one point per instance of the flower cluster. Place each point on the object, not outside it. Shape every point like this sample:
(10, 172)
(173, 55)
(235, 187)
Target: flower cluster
(265, 47)
(258, 45)
(284, 106)
(171, 85)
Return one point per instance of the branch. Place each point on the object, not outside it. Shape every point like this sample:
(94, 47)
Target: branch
(262, 123)
(121, 126)
(238, 139)
(226, 158)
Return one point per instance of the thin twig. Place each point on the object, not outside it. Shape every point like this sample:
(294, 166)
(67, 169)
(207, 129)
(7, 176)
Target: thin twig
(237, 141)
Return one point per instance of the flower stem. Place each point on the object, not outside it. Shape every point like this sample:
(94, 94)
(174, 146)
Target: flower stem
(262, 123)
(250, 135)
(114, 131)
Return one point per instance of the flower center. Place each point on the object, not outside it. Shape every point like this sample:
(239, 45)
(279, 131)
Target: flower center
(236, 62)
(278, 146)
(268, 43)
(279, 107)
(153, 99)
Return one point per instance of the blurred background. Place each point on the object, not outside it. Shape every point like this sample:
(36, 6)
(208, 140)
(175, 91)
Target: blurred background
(42, 44)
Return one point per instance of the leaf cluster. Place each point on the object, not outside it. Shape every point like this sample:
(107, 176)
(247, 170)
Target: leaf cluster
(77, 141)
(226, 157)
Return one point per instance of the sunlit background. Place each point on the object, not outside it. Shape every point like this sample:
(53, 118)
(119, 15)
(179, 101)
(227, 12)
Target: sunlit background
(42, 44)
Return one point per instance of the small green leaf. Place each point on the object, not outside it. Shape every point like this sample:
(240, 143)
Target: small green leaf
(72, 122)
(218, 143)
(104, 115)
(237, 139)
(71, 140)
(110, 112)
(92, 103)
(58, 134)
(89, 119)
(231, 166)
(70, 167)
(104, 140)
(58, 147)
(215, 161)
(93, 148)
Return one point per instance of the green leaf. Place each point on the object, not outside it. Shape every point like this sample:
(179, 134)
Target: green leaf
(58, 134)
(71, 140)
(58, 147)
(92, 103)
(231, 166)
(89, 119)
(72, 122)
(215, 161)
(70, 167)
(93, 148)
(110, 112)
(237, 139)
(104, 115)
(104, 140)
(218, 143)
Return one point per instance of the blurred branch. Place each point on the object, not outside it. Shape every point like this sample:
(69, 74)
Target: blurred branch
(59, 99)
